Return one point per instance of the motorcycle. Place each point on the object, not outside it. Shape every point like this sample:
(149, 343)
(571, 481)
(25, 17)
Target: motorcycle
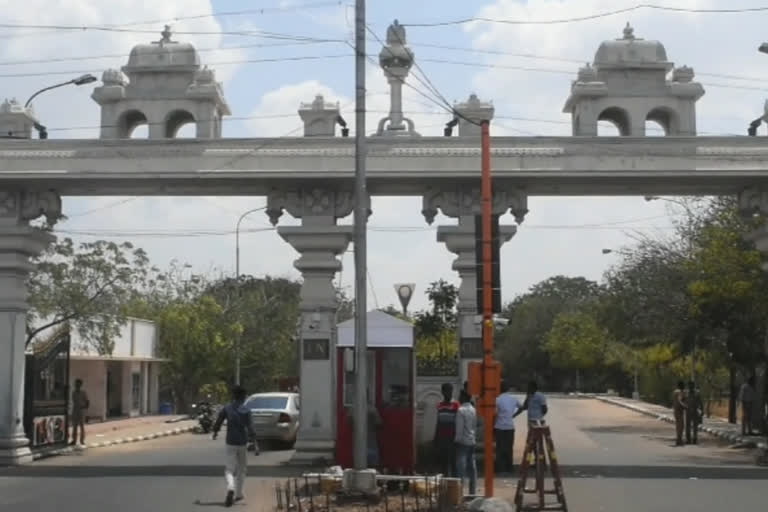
(203, 412)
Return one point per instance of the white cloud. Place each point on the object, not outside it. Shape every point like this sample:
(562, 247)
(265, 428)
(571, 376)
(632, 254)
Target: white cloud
(710, 43)
(73, 107)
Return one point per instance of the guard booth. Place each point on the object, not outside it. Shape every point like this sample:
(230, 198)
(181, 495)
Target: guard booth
(391, 384)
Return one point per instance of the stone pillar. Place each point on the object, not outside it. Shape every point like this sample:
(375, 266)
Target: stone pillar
(753, 203)
(464, 203)
(319, 117)
(472, 112)
(319, 242)
(16, 121)
(18, 243)
(460, 240)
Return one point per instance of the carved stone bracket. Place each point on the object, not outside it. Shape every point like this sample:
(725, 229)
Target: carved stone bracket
(19, 206)
(463, 201)
(753, 201)
(314, 202)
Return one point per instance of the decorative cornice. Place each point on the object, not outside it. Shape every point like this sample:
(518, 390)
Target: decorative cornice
(38, 153)
(309, 202)
(463, 201)
(19, 206)
(732, 151)
(391, 152)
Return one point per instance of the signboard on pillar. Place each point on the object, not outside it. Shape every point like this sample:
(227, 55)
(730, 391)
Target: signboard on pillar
(471, 348)
(495, 263)
(316, 349)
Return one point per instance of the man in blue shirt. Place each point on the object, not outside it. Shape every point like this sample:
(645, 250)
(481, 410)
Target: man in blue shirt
(239, 429)
(535, 403)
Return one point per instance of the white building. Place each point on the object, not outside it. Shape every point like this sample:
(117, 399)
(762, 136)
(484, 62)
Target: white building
(124, 383)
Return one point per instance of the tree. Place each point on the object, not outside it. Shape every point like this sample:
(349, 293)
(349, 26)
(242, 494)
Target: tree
(268, 310)
(87, 285)
(521, 344)
(196, 340)
(576, 341)
(443, 298)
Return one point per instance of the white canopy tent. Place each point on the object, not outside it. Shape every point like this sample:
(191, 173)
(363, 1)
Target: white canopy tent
(384, 331)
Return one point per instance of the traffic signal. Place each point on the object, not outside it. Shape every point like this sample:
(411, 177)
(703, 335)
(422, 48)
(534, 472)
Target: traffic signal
(495, 263)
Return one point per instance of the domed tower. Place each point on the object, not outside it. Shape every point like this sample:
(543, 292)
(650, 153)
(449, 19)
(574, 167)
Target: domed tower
(165, 88)
(628, 84)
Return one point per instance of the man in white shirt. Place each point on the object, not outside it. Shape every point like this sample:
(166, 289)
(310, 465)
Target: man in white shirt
(466, 438)
(506, 407)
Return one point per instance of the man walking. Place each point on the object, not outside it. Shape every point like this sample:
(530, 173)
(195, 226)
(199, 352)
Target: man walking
(445, 432)
(506, 407)
(466, 438)
(678, 407)
(694, 414)
(80, 405)
(747, 396)
(239, 429)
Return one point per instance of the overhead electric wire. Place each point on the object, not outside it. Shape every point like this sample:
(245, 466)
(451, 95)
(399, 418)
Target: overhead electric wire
(576, 19)
(224, 63)
(726, 76)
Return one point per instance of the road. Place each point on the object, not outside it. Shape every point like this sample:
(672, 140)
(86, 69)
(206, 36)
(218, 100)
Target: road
(613, 459)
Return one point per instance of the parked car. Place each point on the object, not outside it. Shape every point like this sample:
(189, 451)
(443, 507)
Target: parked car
(275, 416)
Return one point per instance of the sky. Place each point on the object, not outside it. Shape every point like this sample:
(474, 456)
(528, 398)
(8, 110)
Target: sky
(266, 76)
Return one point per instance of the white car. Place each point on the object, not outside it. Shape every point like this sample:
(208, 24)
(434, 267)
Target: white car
(275, 416)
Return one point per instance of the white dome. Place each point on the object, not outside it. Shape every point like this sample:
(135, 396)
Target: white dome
(630, 52)
(163, 54)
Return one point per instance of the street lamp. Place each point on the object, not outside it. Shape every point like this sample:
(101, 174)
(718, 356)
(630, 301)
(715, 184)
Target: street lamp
(404, 293)
(636, 389)
(689, 248)
(237, 278)
(81, 80)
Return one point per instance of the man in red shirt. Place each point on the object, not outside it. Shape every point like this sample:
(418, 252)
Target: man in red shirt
(445, 432)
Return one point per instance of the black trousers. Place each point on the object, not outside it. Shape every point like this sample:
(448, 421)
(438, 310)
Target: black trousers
(505, 443)
(445, 455)
(691, 428)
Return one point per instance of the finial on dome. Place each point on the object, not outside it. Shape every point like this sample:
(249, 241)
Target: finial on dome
(629, 32)
(396, 34)
(166, 33)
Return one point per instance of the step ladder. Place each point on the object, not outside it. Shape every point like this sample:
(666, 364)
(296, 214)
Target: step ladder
(539, 455)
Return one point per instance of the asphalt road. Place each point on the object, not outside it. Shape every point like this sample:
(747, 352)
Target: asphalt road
(613, 460)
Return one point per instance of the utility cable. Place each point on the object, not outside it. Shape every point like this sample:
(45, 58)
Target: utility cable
(589, 17)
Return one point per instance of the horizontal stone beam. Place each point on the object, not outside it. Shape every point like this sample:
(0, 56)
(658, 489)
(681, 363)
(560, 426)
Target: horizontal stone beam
(539, 166)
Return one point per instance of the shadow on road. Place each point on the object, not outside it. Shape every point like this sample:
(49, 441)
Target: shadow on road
(574, 471)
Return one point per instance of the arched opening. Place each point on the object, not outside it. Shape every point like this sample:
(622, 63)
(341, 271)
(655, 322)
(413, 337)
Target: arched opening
(180, 124)
(133, 124)
(615, 121)
(660, 122)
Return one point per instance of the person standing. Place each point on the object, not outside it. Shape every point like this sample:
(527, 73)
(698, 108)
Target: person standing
(239, 430)
(445, 432)
(678, 407)
(535, 403)
(80, 405)
(747, 397)
(694, 414)
(506, 407)
(466, 438)
(375, 423)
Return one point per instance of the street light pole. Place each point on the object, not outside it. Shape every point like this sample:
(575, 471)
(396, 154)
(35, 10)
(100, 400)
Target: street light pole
(360, 242)
(81, 80)
(237, 283)
(689, 250)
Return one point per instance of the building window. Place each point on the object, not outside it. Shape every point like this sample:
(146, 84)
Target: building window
(135, 391)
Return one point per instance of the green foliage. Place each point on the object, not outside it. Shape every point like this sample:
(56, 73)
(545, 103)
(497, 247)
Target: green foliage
(577, 341)
(436, 330)
(197, 342)
(521, 344)
(87, 285)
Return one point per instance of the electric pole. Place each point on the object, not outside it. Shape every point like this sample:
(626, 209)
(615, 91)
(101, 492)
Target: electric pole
(360, 244)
